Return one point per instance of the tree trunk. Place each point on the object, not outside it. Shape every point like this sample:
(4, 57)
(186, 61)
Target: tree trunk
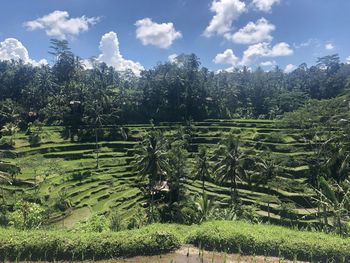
(97, 148)
(150, 220)
(231, 190)
(203, 185)
(235, 186)
(325, 215)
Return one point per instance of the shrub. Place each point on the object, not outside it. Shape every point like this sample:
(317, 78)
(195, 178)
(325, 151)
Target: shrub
(27, 215)
(96, 223)
(34, 139)
(6, 143)
(60, 245)
(79, 176)
(249, 239)
(116, 222)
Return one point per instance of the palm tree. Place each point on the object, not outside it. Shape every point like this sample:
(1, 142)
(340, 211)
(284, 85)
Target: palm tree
(335, 198)
(202, 168)
(265, 170)
(230, 164)
(337, 160)
(205, 207)
(177, 169)
(151, 161)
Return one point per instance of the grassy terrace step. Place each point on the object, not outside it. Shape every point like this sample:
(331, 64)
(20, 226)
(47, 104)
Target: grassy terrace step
(114, 185)
(71, 147)
(307, 215)
(241, 120)
(299, 198)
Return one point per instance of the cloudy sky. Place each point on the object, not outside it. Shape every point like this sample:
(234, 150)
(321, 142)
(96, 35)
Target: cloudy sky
(136, 34)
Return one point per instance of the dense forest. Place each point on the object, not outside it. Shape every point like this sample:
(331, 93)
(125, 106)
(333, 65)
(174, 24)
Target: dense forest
(66, 93)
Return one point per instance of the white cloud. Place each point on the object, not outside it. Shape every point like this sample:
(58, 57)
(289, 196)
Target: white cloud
(109, 46)
(58, 24)
(88, 63)
(329, 46)
(252, 33)
(310, 42)
(172, 58)
(265, 5)
(12, 48)
(289, 68)
(280, 50)
(268, 63)
(264, 49)
(227, 57)
(160, 35)
(226, 11)
(348, 60)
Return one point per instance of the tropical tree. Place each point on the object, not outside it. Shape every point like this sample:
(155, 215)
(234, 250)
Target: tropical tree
(177, 169)
(205, 207)
(337, 159)
(151, 161)
(265, 170)
(335, 198)
(230, 164)
(202, 167)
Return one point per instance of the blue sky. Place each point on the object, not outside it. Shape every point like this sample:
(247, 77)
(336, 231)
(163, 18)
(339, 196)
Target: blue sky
(282, 32)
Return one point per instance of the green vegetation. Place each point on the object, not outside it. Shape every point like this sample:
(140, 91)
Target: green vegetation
(93, 151)
(270, 240)
(63, 174)
(222, 236)
(59, 245)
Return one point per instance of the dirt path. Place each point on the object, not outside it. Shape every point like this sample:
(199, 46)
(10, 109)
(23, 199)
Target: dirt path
(191, 255)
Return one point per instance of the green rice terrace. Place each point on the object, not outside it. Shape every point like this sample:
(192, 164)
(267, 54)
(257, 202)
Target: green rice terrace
(65, 166)
(174, 163)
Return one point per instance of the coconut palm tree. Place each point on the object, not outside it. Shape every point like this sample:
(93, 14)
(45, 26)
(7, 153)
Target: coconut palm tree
(151, 161)
(265, 170)
(177, 170)
(230, 163)
(202, 167)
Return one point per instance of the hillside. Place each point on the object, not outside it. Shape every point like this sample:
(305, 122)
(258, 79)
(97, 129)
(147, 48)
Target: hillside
(57, 167)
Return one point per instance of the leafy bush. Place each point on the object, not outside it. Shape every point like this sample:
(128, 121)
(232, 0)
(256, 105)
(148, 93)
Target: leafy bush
(35, 132)
(79, 176)
(116, 222)
(60, 245)
(224, 236)
(239, 237)
(27, 215)
(95, 223)
(34, 139)
(6, 143)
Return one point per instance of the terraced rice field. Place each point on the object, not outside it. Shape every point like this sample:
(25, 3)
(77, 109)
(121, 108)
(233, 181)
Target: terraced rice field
(113, 185)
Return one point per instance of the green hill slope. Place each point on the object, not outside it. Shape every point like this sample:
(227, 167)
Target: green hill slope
(57, 166)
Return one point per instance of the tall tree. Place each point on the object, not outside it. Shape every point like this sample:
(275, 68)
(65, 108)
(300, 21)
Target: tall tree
(151, 162)
(202, 167)
(230, 163)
